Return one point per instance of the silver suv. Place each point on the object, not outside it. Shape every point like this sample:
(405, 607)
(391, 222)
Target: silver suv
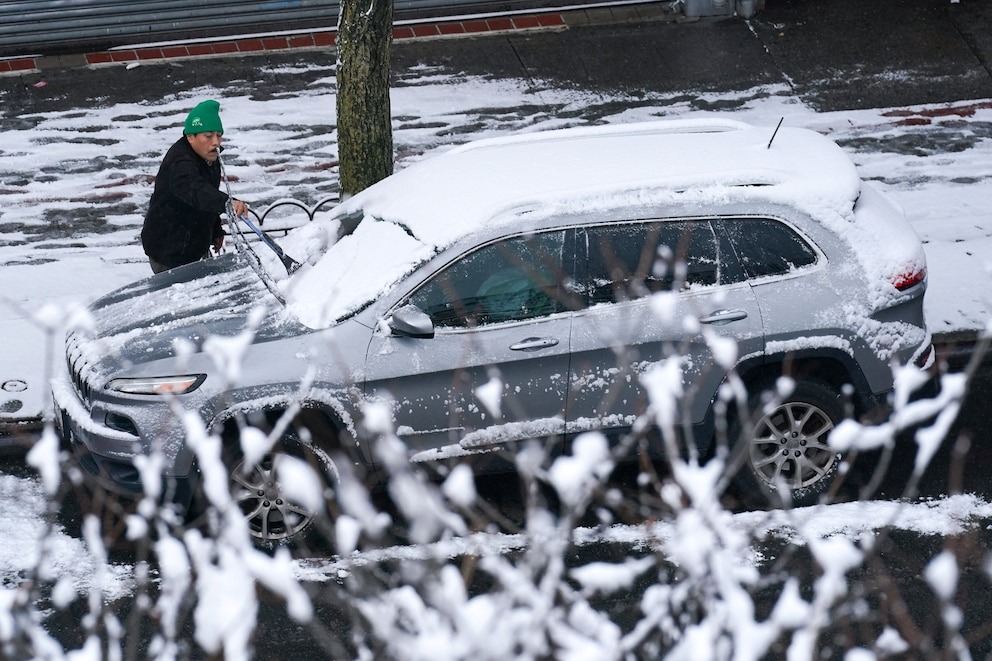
(536, 286)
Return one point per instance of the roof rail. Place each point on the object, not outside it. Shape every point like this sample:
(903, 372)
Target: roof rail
(660, 127)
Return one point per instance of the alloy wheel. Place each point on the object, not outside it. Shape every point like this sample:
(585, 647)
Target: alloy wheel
(789, 446)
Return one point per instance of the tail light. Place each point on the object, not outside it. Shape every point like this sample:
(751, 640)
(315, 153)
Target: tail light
(906, 279)
(927, 358)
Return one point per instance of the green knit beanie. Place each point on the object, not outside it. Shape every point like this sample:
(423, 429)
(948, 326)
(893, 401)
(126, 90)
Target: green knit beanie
(204, 118)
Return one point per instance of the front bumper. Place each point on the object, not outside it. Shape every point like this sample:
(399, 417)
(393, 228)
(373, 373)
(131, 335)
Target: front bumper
(107, 455)
(116, 474)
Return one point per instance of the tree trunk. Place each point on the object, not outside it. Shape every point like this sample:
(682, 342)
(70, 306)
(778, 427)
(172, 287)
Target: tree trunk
(365, 136)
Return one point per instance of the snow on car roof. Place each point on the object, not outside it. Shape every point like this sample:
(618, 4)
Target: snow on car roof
(473, 183)
(428, 206)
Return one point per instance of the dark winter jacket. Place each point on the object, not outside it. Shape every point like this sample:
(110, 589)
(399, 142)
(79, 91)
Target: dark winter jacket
(183, 217)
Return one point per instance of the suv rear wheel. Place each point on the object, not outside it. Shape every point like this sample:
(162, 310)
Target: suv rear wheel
(786, 447)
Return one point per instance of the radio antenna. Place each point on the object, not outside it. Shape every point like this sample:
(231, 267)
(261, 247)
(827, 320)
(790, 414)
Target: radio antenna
(777, 126)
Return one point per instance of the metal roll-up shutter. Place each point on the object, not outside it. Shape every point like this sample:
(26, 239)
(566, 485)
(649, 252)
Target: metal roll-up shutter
(52, 26)
(47, 25)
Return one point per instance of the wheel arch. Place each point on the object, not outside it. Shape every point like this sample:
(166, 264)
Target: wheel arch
(324, 424)
(829, 366)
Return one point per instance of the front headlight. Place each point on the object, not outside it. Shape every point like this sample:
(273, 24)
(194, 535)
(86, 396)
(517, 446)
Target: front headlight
(158, 385)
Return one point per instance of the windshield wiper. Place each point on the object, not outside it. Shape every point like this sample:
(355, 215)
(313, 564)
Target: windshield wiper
(241, 244)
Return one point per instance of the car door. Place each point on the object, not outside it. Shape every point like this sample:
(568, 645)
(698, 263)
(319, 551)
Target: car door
(496, 369)
(655, 290)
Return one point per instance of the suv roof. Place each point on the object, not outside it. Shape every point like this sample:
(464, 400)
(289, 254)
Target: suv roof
(417, 212)
(481, 179)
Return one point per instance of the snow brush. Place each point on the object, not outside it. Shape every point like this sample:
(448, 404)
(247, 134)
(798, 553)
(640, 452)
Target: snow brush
(292, 266)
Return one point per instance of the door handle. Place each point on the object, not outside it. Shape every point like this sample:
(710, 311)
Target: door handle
(723, 316)
(534, 343)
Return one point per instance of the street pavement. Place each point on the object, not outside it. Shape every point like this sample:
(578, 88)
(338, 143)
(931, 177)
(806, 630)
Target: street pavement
(841, 54)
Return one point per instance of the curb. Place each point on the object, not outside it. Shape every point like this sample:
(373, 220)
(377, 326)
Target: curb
(435, 28)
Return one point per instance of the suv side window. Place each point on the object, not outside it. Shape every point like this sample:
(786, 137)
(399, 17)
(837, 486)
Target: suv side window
(768, 247)
(632, 260)
(509, 280)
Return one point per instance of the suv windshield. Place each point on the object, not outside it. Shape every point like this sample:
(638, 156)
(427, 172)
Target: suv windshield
(353, 271)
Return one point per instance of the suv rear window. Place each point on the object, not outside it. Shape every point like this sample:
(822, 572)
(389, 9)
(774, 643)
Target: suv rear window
(633, 260)
(768, 247)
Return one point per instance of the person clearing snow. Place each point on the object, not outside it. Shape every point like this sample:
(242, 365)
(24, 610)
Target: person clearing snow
(183, 219)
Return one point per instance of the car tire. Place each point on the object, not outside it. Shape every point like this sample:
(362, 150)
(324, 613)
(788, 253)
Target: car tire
(784, 446)
(273, 516)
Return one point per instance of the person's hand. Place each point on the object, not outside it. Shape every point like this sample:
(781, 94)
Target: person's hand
(240, 208)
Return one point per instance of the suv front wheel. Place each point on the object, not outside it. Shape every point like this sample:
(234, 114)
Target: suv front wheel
(275, 516)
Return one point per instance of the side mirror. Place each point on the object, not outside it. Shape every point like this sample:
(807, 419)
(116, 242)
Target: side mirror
(411, 321)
